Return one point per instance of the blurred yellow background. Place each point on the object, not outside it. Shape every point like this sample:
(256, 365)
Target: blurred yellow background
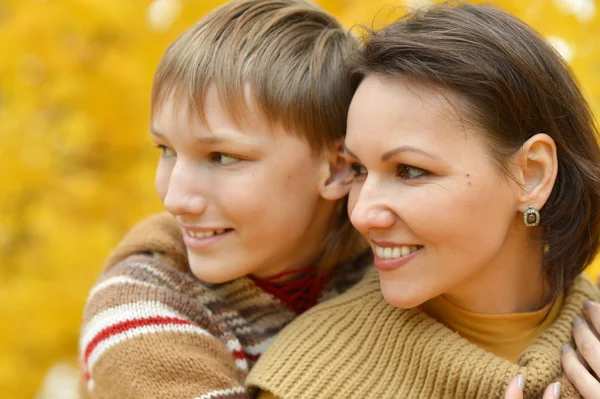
(76, 162)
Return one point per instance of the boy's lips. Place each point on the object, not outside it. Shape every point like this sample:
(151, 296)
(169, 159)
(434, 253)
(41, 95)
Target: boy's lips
(205, 232)
(203, 237)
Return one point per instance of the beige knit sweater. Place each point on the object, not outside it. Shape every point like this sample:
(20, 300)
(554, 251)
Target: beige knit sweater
(153, 330)
(359, 346)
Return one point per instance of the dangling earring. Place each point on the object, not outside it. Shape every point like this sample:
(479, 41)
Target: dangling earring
(531, 217)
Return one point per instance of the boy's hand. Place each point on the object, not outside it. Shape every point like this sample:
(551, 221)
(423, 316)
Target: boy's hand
(517, 384)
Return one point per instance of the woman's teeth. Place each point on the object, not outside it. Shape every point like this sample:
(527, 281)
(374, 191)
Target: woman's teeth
(394, 252)
(205, 234)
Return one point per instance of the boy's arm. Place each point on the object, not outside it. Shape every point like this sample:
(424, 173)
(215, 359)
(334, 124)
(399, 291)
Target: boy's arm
(146, 335)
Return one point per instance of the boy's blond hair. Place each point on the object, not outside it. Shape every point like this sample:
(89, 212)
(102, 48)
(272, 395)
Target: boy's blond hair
(288, 53)
(289, 56)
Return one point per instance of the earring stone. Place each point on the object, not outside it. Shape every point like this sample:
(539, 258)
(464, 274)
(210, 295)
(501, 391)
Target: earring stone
(531, 217)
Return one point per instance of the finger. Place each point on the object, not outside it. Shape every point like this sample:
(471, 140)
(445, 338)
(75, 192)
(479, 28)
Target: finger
(587, 385)
(515, 388)
(592, 312)
(552, 391)
(587, 344)
(582, 360)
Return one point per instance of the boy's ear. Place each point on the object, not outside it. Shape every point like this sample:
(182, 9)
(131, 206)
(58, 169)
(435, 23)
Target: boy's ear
(537, 170)
(337, 176)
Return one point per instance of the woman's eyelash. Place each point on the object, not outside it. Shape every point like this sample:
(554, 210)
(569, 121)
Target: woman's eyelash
(358, 169)
(409, 172)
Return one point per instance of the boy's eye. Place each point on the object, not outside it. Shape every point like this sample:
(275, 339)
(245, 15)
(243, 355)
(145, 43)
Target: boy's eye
(409, 172)
(358, 169)
(166, 152)
(223, 159)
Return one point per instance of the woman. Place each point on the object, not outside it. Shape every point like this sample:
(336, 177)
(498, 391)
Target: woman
(477, 185)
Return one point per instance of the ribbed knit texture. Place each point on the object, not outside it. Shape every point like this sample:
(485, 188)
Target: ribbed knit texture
(153, 330)
(359, 346)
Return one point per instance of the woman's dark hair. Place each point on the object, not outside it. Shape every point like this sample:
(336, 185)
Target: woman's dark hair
(513, 85)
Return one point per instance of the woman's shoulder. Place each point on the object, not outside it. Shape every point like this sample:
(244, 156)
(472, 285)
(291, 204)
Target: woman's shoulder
(583, 288)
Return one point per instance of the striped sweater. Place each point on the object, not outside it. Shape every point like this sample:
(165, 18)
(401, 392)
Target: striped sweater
(152, 330)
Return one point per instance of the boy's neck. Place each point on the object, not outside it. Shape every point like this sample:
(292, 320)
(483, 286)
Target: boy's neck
(309, 247)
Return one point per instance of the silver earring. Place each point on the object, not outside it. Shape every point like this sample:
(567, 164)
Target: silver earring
(531, 217)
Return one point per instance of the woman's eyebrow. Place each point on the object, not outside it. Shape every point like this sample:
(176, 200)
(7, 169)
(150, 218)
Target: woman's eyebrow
(346, 149)
(405, 148)
(391, 153)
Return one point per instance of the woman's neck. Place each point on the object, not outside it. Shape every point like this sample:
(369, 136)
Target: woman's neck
(512, 283)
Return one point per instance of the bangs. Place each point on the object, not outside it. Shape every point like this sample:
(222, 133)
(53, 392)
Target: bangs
(282, 58)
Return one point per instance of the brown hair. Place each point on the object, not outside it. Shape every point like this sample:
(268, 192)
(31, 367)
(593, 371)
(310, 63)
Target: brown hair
(513, 85)
(289, 53)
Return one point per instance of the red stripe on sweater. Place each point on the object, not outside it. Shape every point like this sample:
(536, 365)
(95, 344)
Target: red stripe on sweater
(128, 325)
(252, 358)
(134, 323)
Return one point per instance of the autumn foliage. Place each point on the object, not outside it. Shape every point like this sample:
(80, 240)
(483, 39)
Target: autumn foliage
(76, 162)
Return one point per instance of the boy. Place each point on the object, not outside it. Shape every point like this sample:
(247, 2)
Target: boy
(248, 110)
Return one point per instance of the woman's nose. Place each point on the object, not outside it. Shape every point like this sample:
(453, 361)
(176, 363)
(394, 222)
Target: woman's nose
(370, 211)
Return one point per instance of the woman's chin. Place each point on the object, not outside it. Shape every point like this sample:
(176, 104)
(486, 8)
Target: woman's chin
(401, 297)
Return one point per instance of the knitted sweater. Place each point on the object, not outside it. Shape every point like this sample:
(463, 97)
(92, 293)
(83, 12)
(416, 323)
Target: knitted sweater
(359, 346)
(152, 330)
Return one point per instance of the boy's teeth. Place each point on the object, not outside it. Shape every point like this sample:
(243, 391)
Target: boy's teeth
(394, 252)
(205, 234)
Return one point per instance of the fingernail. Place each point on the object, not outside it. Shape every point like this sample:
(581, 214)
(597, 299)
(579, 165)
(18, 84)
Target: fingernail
(521, 382)
(557, 387)
(589, 304)
(577, 322)
(565, 348)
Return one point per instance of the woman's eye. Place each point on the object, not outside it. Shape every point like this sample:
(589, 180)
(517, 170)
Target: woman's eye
(358, 169)
(409, 172)
(166, 152)
(224, 159)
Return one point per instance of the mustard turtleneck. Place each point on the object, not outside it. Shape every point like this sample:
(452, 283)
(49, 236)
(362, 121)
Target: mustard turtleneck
(359, 346)
(504, 335)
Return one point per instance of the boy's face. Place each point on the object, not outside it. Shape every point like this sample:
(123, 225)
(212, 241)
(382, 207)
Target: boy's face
(248, 199)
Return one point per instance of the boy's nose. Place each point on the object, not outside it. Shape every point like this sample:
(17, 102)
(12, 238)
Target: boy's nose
(183, 195)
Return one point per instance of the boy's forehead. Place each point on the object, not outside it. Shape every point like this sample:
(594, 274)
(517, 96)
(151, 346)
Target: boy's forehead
(213, 116)
(218, 108)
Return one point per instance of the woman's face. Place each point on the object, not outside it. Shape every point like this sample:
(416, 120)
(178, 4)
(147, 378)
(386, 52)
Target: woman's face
(435, 208)
(247, 198)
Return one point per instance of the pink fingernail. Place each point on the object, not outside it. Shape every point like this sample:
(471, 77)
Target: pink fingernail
(557, 386)
(565, 348)
(577, 322)
(521, 382)
(589, 304)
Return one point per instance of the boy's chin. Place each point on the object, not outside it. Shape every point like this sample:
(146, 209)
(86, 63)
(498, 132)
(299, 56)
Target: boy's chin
(213, 272)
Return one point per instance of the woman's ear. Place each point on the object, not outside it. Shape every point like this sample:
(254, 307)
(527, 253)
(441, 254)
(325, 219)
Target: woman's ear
(537, 168)
(337, 177)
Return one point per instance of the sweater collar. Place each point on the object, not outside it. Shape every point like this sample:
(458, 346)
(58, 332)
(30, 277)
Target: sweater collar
(357, 345)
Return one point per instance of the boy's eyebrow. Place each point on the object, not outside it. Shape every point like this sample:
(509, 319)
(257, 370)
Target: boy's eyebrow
(154, 132)
(207, 140)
